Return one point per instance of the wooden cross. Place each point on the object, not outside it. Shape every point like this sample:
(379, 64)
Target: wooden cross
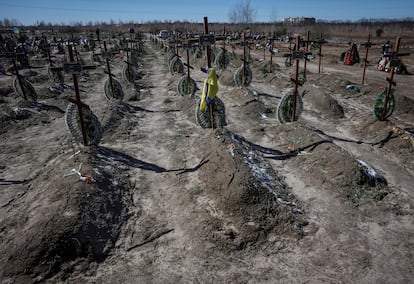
(12, 56)
(75, 68)
(245, 44)
(271, 52)
(19, 79)
(111, 82)
(208, 51)
(395, 61)
(78, 101)
(187, 47)
(295, 92)
(367, 45)
(306, 50)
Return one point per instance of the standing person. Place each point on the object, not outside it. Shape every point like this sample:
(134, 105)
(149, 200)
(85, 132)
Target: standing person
(97, 34)
(385, 57)
(386, 48)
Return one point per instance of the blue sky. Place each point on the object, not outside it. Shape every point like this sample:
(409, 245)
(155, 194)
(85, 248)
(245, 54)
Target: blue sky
(58, 11)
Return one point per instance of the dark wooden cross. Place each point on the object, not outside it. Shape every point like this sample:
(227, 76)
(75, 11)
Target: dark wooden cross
(395, 61)
(75, 68)
(367, 45)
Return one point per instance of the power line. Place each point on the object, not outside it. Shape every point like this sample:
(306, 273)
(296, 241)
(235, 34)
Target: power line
(70, 9)
(78, 14)
(163, 12)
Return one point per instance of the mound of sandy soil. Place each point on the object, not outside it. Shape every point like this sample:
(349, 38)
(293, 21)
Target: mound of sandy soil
(251, 200)
(323, 104)
(71, 223)
(404, 105)
(226, 78)
(388, 136)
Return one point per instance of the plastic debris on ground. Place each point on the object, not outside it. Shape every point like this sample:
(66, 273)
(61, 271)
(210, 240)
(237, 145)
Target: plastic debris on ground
(371, 175)
(86, 178)
(353, 88)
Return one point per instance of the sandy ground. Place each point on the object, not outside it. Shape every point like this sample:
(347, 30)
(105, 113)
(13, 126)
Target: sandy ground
(254, 202)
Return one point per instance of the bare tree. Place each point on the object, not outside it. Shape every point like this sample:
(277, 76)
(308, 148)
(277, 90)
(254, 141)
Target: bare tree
(273, 16)
(242, 13)
(7, 22)
(10, 22)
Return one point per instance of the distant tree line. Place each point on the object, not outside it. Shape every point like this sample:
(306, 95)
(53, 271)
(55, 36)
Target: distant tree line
(6, 22)
(376, 27)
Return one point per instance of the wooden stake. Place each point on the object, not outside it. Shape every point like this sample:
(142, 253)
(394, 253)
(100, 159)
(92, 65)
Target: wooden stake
(368, 44)
(78, 100)
(271, 54)
(188, 66)
(306, 50)
(208, 51)
(224, 39)
(244, 59)
(208, 58)
(211, 116)
(111, 83)
(390, 81)
(320, 56)
(296, 82)
(19, 79)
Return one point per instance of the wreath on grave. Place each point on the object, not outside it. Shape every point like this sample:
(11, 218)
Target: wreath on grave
(25, 90)
(238, 76)
(176, 66)
(203, 118)
(380, 104)
(222, 59)
(285, 107)
(115, 91)
(186, 86)
(55, 76)
(128, 73)
(93, 127)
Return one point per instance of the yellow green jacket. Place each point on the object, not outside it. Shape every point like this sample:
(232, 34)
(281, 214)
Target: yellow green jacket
(210, 88)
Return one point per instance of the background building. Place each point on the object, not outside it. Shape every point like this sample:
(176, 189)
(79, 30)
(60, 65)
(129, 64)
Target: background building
(299, 21)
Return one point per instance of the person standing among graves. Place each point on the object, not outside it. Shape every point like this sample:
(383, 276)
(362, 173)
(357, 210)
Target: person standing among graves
(385, 56)
(97, 34)
(386, 48)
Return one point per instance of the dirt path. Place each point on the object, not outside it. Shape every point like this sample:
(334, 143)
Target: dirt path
(158, 243)
(157, 144)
